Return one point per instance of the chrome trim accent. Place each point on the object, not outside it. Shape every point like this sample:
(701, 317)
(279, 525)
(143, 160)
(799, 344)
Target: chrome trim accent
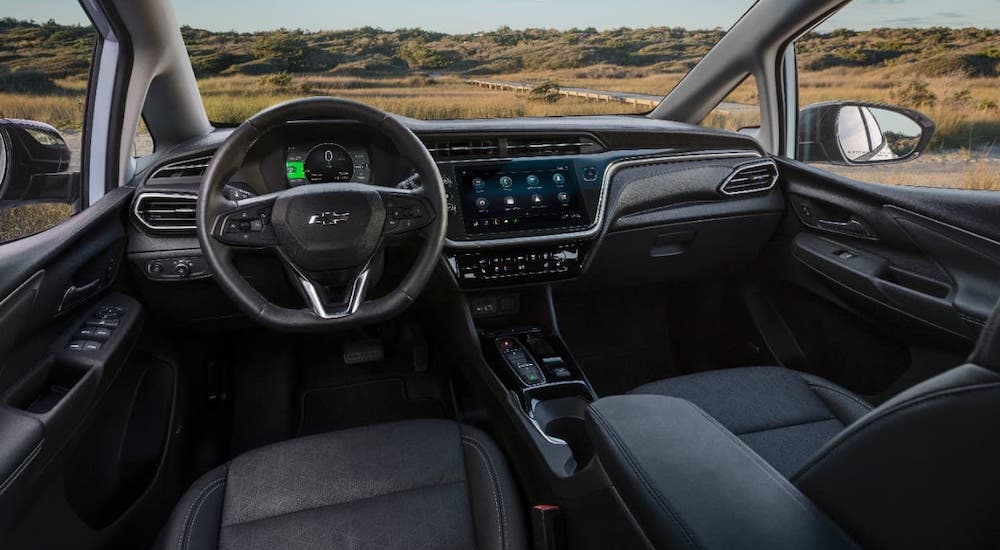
(197, 162)
(359, 289)
(594, 227)
(740, 168)
(3, 160)
(531, 415)
(141, 196)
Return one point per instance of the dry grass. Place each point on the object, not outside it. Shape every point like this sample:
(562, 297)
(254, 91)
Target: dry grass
(27, 219)
(963, 120)
(969, 123)
(233, 99)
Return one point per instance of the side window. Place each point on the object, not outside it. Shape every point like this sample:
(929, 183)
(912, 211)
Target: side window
(739, 111)
(43, 91)
(885, 102)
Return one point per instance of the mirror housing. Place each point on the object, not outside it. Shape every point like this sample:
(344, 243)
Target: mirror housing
(854, 133)
(31, 155)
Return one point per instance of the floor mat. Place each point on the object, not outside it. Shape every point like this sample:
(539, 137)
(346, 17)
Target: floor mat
(374, 402)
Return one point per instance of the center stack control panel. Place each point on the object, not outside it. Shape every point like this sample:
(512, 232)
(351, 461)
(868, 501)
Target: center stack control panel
(517, 266)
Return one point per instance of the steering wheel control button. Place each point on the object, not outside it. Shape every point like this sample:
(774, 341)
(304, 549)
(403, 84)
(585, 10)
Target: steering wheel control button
(590, 173)
(405, 214)
(249, 227)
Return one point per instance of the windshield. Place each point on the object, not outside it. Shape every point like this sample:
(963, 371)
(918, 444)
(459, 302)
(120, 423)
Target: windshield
(438, 59)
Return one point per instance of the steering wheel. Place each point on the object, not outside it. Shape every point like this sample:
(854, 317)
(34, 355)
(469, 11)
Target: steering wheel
(330, 236)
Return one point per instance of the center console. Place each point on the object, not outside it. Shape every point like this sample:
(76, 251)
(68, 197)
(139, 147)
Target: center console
(552, 390)
(523, 220)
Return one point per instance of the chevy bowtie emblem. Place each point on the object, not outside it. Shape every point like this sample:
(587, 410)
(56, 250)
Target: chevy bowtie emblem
(329, 218)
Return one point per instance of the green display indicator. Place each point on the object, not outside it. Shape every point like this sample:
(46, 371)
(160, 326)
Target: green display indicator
(296, 170)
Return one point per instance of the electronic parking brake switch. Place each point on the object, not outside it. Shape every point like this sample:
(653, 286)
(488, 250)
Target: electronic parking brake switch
(520, 361)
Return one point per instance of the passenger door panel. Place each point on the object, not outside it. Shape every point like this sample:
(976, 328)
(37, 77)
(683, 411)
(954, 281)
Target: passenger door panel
(920, 265)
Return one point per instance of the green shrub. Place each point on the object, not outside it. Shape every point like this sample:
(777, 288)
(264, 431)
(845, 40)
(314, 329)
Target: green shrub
(277, 81)
(546, 92)
(916, 94)
(26, 82)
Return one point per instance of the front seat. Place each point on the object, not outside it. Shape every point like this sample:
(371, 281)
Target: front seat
(919, 471)
(416, 484)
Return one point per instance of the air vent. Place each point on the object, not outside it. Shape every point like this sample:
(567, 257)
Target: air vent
(192, 168)
(460, 149)
(751, 178)
(552, 145)
(166, 211)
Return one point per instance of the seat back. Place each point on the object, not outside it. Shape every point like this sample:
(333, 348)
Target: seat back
(923, 469)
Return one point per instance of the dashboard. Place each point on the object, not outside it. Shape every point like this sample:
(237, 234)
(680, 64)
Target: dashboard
(605, 200)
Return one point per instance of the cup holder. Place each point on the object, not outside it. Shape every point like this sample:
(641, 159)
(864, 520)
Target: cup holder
(572, 430)
(559, 413)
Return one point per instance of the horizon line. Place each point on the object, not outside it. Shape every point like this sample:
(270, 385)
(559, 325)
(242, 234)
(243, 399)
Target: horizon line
(507, 27)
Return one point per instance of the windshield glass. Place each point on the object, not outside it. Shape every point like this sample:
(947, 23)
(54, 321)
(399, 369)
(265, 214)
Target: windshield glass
(438, 59)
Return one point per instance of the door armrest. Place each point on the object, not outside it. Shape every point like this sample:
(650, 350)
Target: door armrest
(690, 483)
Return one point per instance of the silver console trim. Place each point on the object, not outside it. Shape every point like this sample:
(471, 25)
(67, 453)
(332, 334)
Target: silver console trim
(595, 228)
(160, 195)
(754, 164)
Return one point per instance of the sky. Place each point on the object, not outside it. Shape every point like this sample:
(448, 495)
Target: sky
(478, 15)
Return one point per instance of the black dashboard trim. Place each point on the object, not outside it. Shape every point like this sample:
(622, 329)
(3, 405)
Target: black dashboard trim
(596, 226)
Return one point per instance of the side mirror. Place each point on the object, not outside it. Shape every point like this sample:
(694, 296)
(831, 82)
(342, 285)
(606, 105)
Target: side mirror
(850, 133)
(34, 159)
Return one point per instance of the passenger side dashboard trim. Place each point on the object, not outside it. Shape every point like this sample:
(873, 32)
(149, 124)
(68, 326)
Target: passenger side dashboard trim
(596, 226)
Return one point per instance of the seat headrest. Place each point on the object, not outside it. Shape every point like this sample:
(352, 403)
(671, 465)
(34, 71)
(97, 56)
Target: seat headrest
(987, 351)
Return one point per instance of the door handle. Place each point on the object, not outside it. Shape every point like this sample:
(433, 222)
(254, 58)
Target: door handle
(850, 227)
(76, 294)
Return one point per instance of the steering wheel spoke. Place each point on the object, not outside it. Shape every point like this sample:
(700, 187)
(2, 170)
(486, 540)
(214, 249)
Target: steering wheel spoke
(318, 296)
(247, 223)
(406, 212)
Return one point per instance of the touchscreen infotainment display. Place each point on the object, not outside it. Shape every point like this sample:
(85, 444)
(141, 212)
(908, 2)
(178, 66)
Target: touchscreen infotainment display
(520, 196)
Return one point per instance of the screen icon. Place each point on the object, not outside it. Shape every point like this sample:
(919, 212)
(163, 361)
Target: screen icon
(482, 203)
(508, 200)
(558, 178)
(506, 182)
(537, 199)
(563, 197)
(532, 180)
(478, 184)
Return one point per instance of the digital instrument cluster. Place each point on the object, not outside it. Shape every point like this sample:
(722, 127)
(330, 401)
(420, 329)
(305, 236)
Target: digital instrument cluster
(327, 162)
